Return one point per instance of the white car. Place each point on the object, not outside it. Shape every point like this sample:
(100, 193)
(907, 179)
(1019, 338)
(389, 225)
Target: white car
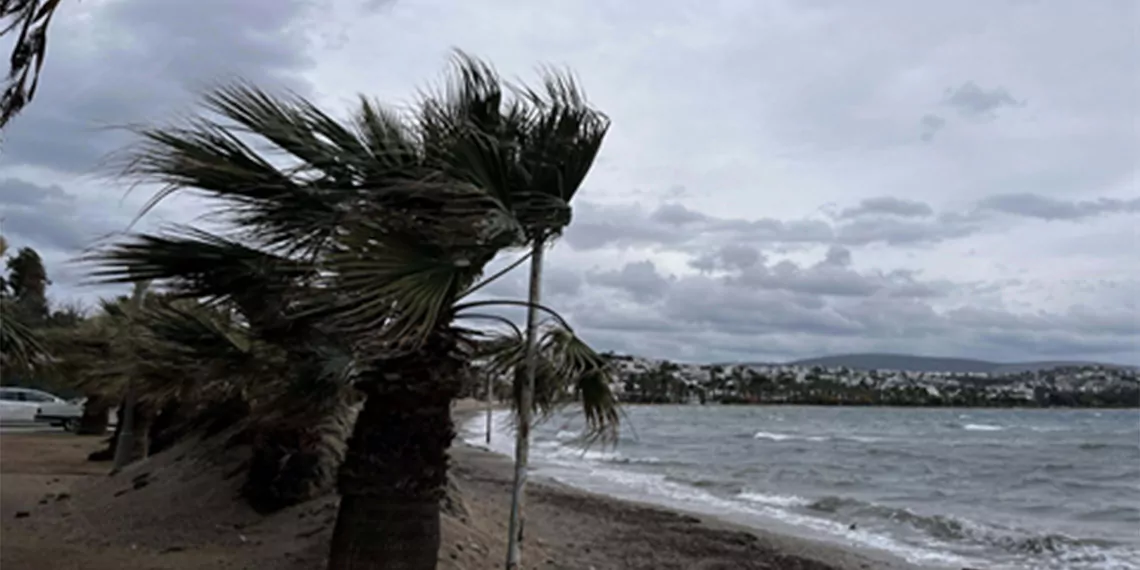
(27, 405)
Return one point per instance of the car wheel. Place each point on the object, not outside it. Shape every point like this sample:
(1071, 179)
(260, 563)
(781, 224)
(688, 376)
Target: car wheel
(71, 424)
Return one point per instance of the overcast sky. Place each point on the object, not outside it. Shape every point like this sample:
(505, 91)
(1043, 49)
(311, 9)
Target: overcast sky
(783, 179)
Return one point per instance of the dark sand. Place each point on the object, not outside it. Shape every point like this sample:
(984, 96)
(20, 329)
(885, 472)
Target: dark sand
(177, 511)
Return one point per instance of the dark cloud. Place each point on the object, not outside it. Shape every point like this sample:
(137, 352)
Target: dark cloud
(838, 256)
(676, 215)
(596, 226)
(930, 124)
(788, 314)
(638, 279)
(117, 63)
(833, 277)
(47, 217)
(903, 232)
(882, 220)
(972, 101)
(1045, 208)
(889, 205)
(728, 257)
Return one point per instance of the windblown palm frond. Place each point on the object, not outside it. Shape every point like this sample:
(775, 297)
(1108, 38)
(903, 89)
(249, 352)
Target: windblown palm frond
(569, 371)
(197, 264)
(290, 192)
(558, 143)
(29, 19)
(469, 129)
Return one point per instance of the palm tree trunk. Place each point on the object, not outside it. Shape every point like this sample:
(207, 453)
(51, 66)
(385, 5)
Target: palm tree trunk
(526, 402)
(490, 405)
(126, 446)
(395, 469)
(140, 442)
(95, 417)
(109, 453)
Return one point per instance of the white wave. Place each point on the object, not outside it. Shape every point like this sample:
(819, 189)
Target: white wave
(563, 452)
(648, 460)
(772, 436)
(773, 500)
(982, 427)
(861, 438)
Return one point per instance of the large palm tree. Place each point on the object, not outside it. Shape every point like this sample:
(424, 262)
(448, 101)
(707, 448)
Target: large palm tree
(387, 223)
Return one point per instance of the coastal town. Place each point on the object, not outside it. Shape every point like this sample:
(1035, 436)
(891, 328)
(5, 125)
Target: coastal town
(641, 380)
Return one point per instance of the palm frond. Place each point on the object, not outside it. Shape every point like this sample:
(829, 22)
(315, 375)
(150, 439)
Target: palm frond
(558, 146)
(292, 194)
(30, 20)
(195, 263)
(400, 268)
(568, 371)
(468, 129)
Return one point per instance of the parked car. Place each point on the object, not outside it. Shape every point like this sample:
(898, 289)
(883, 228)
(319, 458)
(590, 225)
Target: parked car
(27, 405)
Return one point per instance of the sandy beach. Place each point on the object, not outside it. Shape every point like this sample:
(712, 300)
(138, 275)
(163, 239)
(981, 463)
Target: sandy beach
(177, 511)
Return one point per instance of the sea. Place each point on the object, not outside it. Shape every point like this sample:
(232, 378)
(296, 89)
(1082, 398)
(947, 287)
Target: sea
(939, 488)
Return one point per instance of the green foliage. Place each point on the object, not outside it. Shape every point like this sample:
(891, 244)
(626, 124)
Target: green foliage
(27, 283)
(23, 307)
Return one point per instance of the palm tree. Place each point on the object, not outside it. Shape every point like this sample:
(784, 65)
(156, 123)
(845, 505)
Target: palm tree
(21, 348)
(387, 224)
(551, 137)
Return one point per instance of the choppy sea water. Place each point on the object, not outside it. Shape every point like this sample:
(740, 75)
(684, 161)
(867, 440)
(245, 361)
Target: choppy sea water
(941, 488)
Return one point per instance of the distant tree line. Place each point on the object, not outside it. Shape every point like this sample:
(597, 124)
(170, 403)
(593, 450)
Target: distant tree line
(661, 384)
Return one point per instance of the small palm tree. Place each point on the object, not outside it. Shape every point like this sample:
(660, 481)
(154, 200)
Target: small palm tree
(387, 223)
(21, 348)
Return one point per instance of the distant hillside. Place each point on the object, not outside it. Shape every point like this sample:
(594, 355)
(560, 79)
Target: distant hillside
(934, 364)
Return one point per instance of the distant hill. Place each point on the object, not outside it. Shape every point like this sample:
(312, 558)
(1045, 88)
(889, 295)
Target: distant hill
(934, 364)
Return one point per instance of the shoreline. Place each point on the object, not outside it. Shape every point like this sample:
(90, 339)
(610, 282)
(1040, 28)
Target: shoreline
(696, 540)
(881, 405)
(59, 510)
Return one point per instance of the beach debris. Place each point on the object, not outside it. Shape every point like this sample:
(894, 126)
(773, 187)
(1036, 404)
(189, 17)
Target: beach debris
(23, 514)
(141, 480)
